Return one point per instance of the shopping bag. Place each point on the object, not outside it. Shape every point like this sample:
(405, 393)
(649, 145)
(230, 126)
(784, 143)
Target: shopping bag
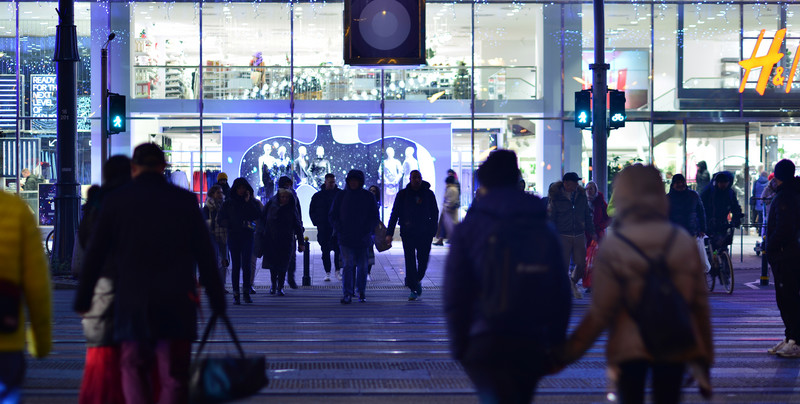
(380, 238)
(701, 246)
(591, 251)
(219, 380)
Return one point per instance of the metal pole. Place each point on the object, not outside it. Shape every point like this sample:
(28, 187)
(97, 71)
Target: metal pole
(306, 262)
(67, 201)
(104, 105)
(201, 105)
(599, 92)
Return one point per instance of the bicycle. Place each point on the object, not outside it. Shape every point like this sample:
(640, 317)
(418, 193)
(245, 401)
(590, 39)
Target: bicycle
(49, 240)
(721, 265)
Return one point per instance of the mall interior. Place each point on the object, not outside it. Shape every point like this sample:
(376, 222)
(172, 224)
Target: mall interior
(236, 86)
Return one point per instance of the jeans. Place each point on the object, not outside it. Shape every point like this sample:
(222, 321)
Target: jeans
(241, 247)
(574, 247)
(139, 359)
(787, 295)
(355, 269)
(326, 258)
(417, 253)
(667, 379)
(12, 373)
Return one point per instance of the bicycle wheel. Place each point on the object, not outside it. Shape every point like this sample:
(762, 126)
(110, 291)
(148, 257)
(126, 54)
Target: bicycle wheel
(726, 272)
(711, 275)
(48, 242)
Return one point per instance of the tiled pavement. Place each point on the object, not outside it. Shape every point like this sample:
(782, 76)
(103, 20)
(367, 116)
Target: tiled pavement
(389, 350)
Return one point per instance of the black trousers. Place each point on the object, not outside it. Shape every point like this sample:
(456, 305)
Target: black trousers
(787, 295)
(278, 277)
(240, 245)
(326, 257)
(417, 253)
(667, 379)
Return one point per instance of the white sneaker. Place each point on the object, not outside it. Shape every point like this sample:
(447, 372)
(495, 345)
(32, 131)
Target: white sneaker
(369, 278)
(338, 274)
(790, 350)
(327, 277)
(575, 292)
(774, 350)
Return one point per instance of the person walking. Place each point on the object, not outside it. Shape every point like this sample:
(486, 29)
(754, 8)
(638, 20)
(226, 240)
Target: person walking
(783, 254)
(702, 178)
(319, 208)
(354, 215)
(239, 214)
(416, 210)
(102, 381)
(756, 203)
(641, 229)
(685, 207)
(156, 239)
(504, 323)
(568, 209)
(599, 207)
(720, 203)
(219, 234)
(452, 202)
(376, 192)
(222, 181)
(29, 309)
(281, 228)
(286, 183)
(766, 197)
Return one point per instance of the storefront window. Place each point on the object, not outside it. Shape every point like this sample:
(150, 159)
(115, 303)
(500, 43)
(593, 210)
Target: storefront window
(668, 150)
(711, 46)
(665, 77)
(448, 39)
(8, 98)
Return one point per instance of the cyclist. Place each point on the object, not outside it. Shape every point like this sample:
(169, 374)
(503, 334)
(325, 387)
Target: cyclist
(720, 204)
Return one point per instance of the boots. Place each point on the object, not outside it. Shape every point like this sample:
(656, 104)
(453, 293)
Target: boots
(236, 300)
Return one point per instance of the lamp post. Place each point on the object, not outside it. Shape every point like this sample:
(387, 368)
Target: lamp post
(104, 100)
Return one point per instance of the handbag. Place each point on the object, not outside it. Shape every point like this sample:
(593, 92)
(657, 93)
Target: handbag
(218, 380)
(10, 300)
(591, 251)
(380, 237)
(98, 322)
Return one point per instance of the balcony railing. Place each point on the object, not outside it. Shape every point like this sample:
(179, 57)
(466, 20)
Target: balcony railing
(334, 83)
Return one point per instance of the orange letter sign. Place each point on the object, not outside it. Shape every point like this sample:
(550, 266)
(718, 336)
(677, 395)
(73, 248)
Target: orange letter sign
(766, 62)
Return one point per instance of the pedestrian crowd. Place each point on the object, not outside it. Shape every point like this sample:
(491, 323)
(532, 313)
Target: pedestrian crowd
(512, 271)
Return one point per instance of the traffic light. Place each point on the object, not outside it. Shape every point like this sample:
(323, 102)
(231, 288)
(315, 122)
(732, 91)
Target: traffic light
(616, 109)
(116, 113)
(583, 109)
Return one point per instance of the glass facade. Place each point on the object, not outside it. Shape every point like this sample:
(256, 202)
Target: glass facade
(225, 86)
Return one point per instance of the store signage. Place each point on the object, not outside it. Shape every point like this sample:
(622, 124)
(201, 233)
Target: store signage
(43, 100)
(767, 63)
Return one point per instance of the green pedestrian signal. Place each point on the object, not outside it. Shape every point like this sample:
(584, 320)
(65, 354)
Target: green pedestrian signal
(116, 113)
(583, 109)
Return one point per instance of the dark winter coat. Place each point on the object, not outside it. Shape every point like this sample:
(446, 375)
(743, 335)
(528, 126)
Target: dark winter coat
(600, 218)
(686, 210)
(238, 215)
(718, 204)
(571, 217)
(758, 188)
(155, 235)
(319, 208)
(281, 225)
(702, 178)
(353, 216)
(226, 189)
(544, 325)
(783, 226)
(416, 211)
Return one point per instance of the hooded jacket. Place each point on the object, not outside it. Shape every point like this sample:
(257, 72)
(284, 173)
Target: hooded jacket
(281, 227)
(238, 215)
(702, 178)
(758, 188)
(416, 211)
(783, 226)
(718, 203)
(544, 325)
(686, 210)
(319, 208)
(354, 214)
(619, 274)
(572, 217)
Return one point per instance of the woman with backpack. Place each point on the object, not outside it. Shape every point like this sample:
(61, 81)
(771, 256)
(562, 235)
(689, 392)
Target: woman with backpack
(649, 291)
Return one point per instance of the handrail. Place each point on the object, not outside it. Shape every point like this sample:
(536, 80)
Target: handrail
(333, 67)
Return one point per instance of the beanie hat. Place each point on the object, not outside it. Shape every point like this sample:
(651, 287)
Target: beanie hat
(499, 170)
(357, 175)
(222, 176)
(784, 170)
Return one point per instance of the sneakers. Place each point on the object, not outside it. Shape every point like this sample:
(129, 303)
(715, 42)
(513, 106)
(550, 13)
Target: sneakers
(327, 277)
(281, 292)
(362, 298)
(346, 300)
(338, 274)
(439, 242)
(412, 296)
(774, 350)
(575, 292)
(790, 350)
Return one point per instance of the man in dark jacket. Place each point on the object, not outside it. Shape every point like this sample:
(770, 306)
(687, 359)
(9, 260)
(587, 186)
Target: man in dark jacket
(685, 207)
(354, 215)
(503, 320)
(286, 183)
(156, 237)
(719, 201)
(319, 208)
(568, 209)
(416, 210)
(783, 253)
(239, 214)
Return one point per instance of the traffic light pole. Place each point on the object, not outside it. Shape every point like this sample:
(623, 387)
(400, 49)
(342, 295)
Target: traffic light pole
(67, 201)
(104, 105)
(599, 91)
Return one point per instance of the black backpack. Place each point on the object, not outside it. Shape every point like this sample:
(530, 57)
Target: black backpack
(662, 315)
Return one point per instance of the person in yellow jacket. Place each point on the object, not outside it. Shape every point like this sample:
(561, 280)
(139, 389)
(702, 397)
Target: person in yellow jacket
(24, 283)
